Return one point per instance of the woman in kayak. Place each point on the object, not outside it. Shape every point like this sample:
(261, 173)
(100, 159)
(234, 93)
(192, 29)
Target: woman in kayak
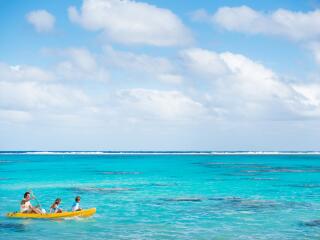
(76, 204)
(55, 206)
(25, 205)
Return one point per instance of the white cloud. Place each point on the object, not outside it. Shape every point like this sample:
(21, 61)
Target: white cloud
(203, 62)
(171, 78)
(311, 100)
(301, 27)
(132, 22)
(246, 88)
(79, 64)
(24, 73)
(82, 58)
(42, 20)
(14, 116)
(28, 91)
(33, 96)
(155, 104)
(286, 23)
(315, 50)
(252, 78)
(215, 85)
(160, 68)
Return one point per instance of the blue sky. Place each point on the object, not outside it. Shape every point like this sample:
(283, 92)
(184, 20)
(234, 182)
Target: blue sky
(159, 75)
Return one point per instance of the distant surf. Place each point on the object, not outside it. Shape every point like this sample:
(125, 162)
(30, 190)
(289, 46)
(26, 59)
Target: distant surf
(163, 152)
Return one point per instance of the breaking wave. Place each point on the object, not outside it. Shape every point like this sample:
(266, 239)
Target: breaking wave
(162, 152)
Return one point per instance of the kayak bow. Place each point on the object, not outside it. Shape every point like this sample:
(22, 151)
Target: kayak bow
(83, 213)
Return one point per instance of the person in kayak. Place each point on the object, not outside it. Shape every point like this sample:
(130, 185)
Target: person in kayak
(55, 206)
(76, 204)
(26, 206)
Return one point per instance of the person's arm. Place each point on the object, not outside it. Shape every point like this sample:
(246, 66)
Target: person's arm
(24, 201)
(51, 208)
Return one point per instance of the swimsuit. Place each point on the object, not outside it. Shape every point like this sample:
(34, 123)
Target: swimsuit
(54, 210)
(26, 207)
(75, 206)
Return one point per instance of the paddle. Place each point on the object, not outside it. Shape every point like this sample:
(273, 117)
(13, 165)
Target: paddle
(34, 197)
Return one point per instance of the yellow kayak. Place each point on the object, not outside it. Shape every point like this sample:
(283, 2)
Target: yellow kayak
(83, 213)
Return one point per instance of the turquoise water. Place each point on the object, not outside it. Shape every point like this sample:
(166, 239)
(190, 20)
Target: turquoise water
(149, 196)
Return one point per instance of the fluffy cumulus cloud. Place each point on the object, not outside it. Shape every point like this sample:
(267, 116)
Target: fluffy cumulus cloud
(301, 27)
(24, 73)
(311, 98)
(290, 24)
(155, 68)
(131, 22)
(29, 91)
(42, 20)
(79, 64)
(156, 104)
(35, 95)
(203, 62)
(243, 87)
(214, 86)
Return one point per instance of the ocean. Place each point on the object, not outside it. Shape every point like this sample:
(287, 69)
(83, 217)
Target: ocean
(167, 195)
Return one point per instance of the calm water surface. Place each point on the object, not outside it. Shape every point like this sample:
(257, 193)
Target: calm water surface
(166, 196)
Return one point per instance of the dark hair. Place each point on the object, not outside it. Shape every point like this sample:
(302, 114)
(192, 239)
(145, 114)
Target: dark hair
(77, 197)
(25, 194)
(57, 200)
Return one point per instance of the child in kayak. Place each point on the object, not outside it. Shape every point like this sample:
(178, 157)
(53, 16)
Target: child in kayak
(55, 206)
(76, 204)
(25, 205)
